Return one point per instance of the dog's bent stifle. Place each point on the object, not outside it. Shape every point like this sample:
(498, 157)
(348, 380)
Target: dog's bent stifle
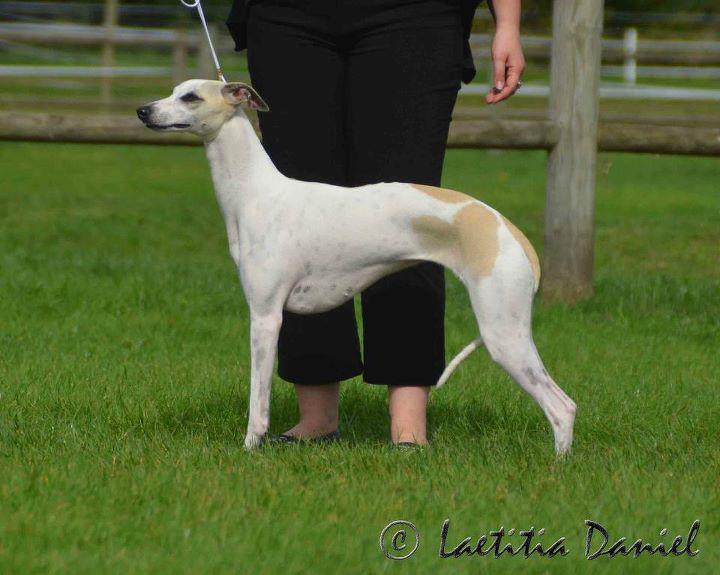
(309, 247)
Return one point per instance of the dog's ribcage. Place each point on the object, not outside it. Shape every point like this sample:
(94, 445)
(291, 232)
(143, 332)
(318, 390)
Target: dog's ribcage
(343, 240)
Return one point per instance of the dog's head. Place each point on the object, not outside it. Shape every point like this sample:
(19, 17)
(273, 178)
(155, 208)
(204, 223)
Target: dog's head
(200, 106)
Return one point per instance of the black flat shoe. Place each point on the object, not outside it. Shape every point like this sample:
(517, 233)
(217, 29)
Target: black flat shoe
(285, 439)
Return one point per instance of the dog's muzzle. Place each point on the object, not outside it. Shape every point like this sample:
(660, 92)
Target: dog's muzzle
(143, 112)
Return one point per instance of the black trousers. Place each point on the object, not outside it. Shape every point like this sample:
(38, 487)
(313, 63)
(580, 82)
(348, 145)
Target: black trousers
(361, 91)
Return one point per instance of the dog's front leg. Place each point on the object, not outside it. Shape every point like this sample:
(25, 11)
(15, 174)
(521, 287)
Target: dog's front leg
(264, 330)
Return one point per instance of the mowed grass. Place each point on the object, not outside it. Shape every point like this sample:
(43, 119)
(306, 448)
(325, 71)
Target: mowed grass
(124, 376)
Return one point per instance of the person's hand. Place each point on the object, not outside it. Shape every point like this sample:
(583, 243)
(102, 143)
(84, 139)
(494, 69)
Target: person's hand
(508, 64)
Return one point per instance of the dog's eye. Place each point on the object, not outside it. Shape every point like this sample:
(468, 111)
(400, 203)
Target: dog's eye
(191, 97)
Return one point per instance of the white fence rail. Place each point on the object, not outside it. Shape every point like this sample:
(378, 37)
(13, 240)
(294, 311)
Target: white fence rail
(666, 51)
(76, 10)
(85, 71)
(667, 72)
(614, 91)
(86, 35)
(627, 58)
(179, 42)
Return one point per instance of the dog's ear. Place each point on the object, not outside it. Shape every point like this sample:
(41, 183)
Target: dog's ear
(238, 93)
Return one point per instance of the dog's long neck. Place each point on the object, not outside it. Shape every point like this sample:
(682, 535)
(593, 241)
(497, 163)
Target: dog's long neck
(240, 167)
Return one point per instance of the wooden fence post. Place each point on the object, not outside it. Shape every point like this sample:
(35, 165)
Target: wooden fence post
(205, 68)
(179, 58)
(630, 46)
(110, 21)
(570, 187)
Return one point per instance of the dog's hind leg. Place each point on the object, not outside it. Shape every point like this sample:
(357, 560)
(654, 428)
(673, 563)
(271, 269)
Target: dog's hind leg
(502, 305)
(264, 330)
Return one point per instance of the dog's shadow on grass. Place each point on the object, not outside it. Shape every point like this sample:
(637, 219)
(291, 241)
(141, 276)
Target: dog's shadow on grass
(364, 418)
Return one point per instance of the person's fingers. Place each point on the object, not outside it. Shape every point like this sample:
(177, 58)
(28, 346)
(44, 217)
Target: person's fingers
(512, 83)
(492, 96)
(511, 86)
(499, 65)
(498, 79)
(497, 94)
(513, 78)
(504, 94)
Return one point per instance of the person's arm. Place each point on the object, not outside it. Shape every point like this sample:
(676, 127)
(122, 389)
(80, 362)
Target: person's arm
(507, 55)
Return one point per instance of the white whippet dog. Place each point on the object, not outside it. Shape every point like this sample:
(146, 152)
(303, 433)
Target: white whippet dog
(308, 247)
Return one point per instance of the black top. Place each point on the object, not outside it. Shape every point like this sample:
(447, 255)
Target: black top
(237, 25)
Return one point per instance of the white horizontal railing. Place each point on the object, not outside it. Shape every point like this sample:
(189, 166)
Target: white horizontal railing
(678, 72)
(85, 71)
(79, 34)
(629, 49)
(613, 91)
(82, 34)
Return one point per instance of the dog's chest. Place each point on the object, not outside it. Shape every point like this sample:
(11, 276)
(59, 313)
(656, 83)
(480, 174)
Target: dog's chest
(320, 292)
(323, 291)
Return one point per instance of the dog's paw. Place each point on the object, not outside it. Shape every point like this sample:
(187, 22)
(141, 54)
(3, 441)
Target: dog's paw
(563, 446)
(253, 440)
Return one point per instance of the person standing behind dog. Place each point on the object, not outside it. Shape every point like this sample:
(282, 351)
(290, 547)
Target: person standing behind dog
(362, 91)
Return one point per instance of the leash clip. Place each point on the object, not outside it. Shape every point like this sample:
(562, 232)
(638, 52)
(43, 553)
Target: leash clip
(198, 5)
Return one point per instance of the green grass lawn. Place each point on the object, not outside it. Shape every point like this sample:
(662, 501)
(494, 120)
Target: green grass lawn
(124, 372)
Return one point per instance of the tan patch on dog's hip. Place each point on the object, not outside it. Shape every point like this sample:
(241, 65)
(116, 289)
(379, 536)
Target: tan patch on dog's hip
(442, 194)
(527, 248)
(469, 242)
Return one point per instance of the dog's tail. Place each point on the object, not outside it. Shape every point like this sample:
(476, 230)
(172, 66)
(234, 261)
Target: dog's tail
(457, 360)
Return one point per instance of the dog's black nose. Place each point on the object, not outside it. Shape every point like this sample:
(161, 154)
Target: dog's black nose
(143, 112)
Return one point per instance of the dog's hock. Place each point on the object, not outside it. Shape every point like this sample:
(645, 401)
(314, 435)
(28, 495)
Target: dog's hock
(239, 93)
